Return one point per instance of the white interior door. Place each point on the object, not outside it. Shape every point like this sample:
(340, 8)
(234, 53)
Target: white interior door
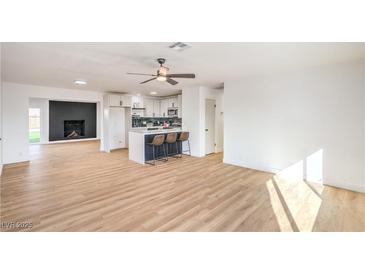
(209, 126)
(117, 128)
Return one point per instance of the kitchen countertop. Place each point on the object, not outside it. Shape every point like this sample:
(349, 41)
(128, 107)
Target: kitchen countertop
(156, 131)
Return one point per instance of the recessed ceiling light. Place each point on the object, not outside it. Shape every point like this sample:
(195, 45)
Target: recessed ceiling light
(153, 92)
(79, 82)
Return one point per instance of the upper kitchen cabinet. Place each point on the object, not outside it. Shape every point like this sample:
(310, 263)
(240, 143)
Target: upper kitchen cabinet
(137, 102)
(167, 103)
(164, 104)
(156, 108)
(126, 100)
(148, 104)
(152, 107)
(115, 100)
(172, 102)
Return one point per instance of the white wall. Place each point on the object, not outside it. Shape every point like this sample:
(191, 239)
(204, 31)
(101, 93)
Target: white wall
(276, 121)
(43, 105)
(193, 117)
(1, 116)
(16, 100)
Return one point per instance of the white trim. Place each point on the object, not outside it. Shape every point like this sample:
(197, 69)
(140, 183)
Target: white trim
(352, 187)
(259, 168)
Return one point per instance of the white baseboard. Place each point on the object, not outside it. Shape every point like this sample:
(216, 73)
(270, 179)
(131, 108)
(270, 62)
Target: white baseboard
(352, 187)
(259, 168)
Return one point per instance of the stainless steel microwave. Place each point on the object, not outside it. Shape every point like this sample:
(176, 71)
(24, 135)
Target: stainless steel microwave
(172, 112)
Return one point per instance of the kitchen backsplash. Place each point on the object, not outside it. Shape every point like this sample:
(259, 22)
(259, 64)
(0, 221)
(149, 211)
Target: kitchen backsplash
(144, 121)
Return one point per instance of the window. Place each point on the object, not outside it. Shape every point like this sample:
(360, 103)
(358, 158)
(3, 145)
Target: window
(34, 125)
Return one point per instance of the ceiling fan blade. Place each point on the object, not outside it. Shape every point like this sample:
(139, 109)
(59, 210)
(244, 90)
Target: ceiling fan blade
(171, 81)
(186, 75)
(148, 80)
(132, 73)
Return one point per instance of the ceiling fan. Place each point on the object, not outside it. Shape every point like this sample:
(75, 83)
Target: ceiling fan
(163, 75)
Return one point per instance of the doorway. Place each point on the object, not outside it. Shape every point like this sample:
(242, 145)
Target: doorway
(34, 131)
(210, 106)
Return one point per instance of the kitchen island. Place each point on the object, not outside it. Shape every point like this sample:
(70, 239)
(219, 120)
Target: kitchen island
(140, 152)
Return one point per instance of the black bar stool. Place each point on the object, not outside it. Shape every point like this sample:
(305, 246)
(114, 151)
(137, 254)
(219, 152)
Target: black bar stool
(184, 136)
(171, 139)
(158, 141)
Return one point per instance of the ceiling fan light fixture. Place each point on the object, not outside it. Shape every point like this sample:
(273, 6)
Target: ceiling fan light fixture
(162, 74)
(163, 71)
(161, 78)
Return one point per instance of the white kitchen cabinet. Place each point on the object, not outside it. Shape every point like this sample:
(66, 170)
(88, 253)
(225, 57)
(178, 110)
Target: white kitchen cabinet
(156, 108)
(159, 107)
(152, 107)
(115, 100)
(164, 103)
(148, 104)
(137, 101)
(126, 100)
(117, 128)
(169, 102)
(172, 102)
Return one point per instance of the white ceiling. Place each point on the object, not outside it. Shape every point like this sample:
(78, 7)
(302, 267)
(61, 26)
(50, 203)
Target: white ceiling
(104, 65)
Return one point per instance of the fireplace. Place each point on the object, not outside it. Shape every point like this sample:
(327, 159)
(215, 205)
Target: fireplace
(72, 120)
(74, 129)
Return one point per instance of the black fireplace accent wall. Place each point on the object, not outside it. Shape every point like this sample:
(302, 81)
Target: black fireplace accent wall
(71, 120)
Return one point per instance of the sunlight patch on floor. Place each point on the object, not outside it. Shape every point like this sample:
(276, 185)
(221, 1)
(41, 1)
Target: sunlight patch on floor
(278, 208)
(295, 204)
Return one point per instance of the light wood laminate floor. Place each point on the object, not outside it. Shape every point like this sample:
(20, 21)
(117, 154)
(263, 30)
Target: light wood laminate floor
(75, 187)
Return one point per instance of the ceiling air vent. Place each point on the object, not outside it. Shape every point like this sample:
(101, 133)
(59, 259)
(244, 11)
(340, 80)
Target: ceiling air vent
(179, 46)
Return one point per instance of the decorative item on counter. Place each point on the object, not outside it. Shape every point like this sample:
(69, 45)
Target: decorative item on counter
(165, 124)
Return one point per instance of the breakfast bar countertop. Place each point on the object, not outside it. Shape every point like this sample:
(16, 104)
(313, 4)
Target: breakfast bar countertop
(145, 131)
(139, 151)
